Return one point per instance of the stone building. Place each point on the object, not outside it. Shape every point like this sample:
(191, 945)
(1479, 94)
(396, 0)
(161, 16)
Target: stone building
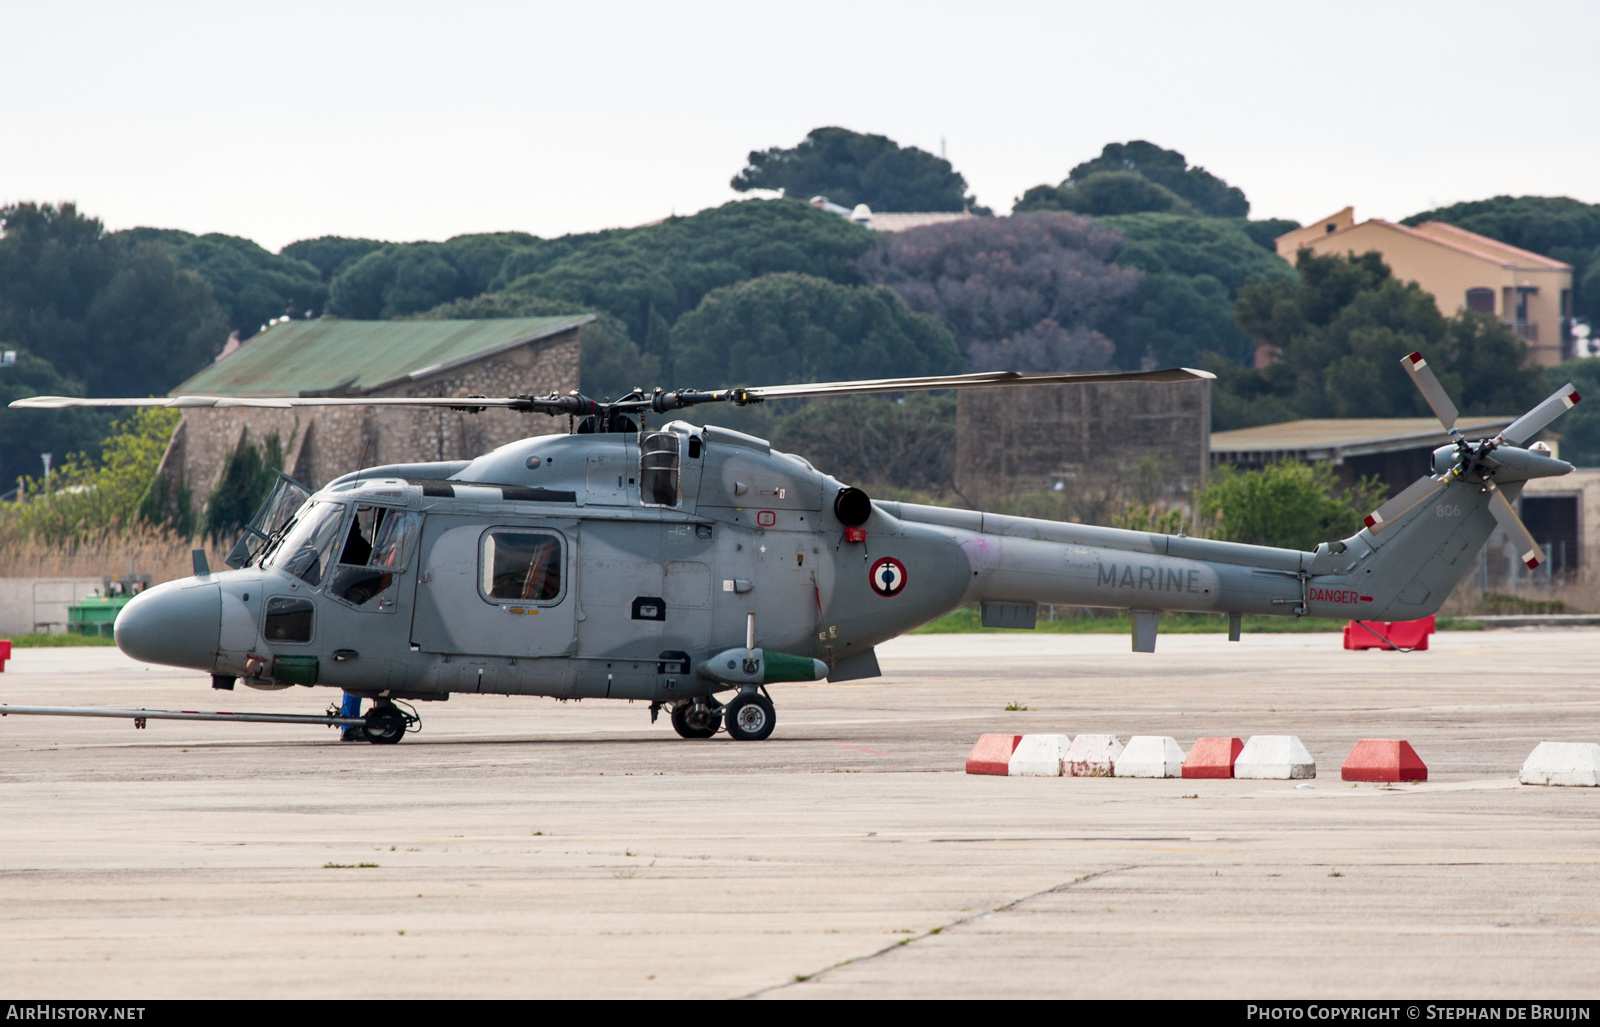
(1094, 443)
(328, 357)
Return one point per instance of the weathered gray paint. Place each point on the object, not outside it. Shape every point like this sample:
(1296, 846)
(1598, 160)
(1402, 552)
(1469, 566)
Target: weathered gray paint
(754, 533)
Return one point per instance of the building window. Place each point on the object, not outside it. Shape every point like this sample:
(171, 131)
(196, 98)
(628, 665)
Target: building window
(1330, 228)
(520, 565)
(1480, 301)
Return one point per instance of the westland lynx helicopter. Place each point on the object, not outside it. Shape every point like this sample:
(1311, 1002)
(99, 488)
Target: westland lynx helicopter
(686, 563)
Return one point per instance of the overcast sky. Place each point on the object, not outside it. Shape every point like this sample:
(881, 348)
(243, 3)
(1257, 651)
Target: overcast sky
(410, 121)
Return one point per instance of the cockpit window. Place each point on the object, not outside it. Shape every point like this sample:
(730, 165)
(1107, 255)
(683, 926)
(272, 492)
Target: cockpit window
(520, 565)
(376, 549)
(658, 469)
(308, 546)
(282, 502)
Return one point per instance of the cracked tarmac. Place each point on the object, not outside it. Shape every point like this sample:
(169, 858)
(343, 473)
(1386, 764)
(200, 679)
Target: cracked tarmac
(528, 848)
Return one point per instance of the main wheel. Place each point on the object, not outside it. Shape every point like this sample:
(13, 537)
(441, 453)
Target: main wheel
(385, 725)
(693, 720)
(750, 718)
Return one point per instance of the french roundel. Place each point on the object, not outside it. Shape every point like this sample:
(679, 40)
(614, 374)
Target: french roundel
(888, 577)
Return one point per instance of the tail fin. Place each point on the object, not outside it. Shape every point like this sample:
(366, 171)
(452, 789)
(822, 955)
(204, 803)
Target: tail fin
(1417, 546)
(1418, 556)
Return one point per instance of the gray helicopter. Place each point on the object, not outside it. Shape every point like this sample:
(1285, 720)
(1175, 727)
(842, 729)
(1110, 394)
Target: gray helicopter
(686, 563)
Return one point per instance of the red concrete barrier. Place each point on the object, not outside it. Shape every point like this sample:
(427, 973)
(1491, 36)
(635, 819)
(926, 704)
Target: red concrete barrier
(1212, 757)
(5, 652)
(1407, 634)
(1383, 759)
(992, 754)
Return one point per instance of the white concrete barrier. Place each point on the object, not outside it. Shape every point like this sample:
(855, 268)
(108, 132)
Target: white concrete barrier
(1274, 758)
(1150, 756)
(1039, 756)
(1563, 763)
(40, 604)
(1092, 756)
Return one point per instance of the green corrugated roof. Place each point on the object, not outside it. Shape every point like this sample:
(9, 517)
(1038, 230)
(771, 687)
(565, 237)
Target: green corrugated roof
(298, 357)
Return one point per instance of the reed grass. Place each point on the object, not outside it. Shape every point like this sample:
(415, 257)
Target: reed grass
(140, 547)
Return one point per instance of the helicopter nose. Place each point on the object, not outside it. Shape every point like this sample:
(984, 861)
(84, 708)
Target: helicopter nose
(177, 624)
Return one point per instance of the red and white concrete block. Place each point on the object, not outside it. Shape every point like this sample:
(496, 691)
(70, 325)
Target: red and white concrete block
(1212, 757)
(1383, 759)
(1274, 758)
(1573, 764)
(992, 754)
(1150, 756)
(1039, 756)
(1092, 756)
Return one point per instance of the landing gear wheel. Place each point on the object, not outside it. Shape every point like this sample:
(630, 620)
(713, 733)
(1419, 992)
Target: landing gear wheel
(385, 725)
(693, 720)
(750, 718)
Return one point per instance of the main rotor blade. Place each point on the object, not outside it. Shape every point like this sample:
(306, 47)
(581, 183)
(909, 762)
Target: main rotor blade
(1414, 495)
(60, 402)
(1534, 421)
(1512, 525)
(1428, 384)
(660, 402)
(968, 381)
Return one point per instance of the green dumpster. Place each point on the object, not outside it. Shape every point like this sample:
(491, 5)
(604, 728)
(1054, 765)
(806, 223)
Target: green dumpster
(95, 614)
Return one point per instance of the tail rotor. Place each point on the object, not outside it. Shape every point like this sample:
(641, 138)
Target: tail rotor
(1476, 461)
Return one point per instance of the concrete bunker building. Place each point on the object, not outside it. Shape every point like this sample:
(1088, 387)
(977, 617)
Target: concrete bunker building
(1086, 440)
(329, 357)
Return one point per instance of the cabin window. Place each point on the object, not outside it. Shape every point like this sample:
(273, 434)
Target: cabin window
(1480, 301)
(288, 619)
(375, 551)
(520, 565)
(308, 548)
(658, 469)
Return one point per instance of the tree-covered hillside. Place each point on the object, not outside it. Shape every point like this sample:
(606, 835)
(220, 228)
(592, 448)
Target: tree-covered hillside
(1135, 258)
(852, 167)
(1339, 331)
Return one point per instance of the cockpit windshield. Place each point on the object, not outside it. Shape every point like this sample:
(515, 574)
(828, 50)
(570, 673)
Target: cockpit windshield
(286, 497)
(308, 546)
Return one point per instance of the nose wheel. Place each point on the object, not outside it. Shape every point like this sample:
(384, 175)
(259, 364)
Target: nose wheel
(386, 724)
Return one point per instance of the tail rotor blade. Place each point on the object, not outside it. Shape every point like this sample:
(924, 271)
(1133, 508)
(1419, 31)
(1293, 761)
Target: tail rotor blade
(1415, 494)
(1512, 525)
(1534, 421)
(1428, 384)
